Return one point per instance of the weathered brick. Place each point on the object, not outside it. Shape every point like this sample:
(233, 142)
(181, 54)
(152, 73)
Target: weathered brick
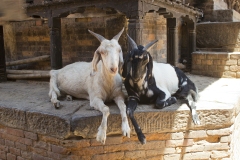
(220, 132)
(42, 145)
(229, 74)
(194, 148)
(223, 68)
(15, 132)
(238, 74)
(234, 68)
(2, 141)
(26, 155)
(177, 143)
(109, 141)
(172, 156)
(223, 56)
(54, 155)
(235, 56)
(196, 134)
(219, 154)
(15, 151)
(151, 145)
(76, 143)
(216, 146)
(20, 158)
(3, 155)
(21, 146)
(9, 143)
(119, 147)
(40, 151)
(90, 151)
(11, 156)
(116, 155)
(4, 148)
(39, 157)
(178, 135)
(135, 154)
(156, 152)
(10, 137)
(26, 141)
(51, 140)
(59, 149)
(232, 62)
(225, 139)
(39, 22)
(239, 62)
(30, 135)
(196, 156)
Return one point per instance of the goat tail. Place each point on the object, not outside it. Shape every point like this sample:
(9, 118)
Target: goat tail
(53, 83)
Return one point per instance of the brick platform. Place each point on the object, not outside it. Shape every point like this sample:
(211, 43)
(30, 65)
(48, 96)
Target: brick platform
(30, 128)
(216, 64)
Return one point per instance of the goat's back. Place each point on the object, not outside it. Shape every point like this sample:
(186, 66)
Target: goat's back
(165, 77)
(72, 79)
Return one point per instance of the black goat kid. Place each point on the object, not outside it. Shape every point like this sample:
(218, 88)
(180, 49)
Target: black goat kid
(150, 82)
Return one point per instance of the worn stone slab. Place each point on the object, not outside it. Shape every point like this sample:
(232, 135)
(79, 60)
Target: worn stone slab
(219, 36)
(26, 105)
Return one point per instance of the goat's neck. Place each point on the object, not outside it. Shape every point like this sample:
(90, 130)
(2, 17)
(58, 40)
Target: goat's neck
(106, 77)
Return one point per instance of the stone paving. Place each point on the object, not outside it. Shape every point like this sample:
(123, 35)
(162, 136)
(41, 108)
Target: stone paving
(26, 105)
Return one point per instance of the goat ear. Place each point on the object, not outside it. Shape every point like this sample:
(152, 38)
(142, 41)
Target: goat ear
(118, 35)
(149, 66)
(149, 45)
(96, 59)
(98, 36)
(120, 64)
(126, 66)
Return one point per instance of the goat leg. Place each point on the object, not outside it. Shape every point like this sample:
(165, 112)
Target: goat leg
(122, 107)
(98, 104)
(131, 107)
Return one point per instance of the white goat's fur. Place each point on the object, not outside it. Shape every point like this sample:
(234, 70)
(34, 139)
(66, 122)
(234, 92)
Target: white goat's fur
(166, 78)
(97, 81)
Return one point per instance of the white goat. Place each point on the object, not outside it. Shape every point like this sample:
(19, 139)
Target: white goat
(83, 80)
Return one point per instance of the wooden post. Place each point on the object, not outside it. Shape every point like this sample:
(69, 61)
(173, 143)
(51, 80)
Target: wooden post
(56, 42)
(172, 41)
(191, 42)
(3, 76)
(135, 29)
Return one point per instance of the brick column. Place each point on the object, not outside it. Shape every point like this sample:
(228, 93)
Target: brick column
(3, 76)
(172, 39)
(55, 42)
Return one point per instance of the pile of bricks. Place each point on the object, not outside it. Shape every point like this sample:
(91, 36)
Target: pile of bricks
(199, 144)
(216, 64)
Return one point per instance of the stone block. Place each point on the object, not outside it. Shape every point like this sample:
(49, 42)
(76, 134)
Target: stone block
(234, 68)
(135, 154)
(225, 139)
(231, 62)
(117, 155)
(220, 132)
(227, 33)
(238, 74)
(172, 156)
(196, 156)
(216, 146)
(178, 135)
(196, 134)
(235, 56)
(193, 148)
(219, 154)
(229, 74)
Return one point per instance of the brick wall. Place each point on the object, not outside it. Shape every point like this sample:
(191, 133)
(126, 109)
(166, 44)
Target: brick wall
(31, 38)
(216, 64)
(155, 28)
(198, 144)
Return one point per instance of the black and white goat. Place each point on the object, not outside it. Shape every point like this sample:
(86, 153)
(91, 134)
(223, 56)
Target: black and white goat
(151, 82)
(98, 81)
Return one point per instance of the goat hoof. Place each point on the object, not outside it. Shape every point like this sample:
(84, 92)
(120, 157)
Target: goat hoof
(196, 120)
(69, 98)
(101, 136)
(56, 105)
(142, 139)
(126, 130)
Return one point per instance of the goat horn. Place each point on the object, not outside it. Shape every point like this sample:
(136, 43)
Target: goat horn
(98, 36)
(118, 35)
(132, 42)
(149, 45)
